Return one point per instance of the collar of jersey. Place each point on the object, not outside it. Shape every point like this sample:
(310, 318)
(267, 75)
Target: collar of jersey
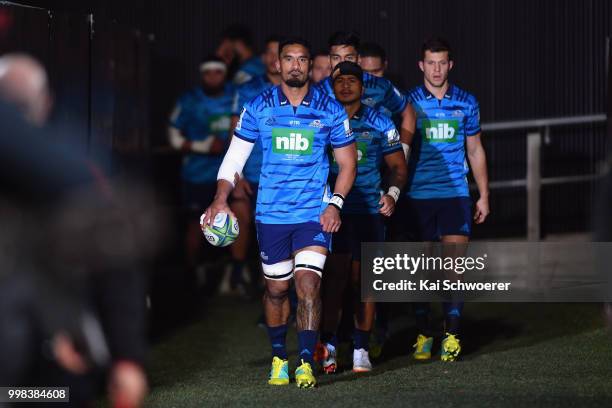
(359, 112)
(447, 95)
(283, 100)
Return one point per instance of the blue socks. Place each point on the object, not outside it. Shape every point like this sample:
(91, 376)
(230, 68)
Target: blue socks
(361, 339)
(329, 338)
(307, 340)
(278, 335)
(452, 315)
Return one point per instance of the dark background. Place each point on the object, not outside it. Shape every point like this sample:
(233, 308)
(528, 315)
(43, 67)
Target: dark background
(118, 66)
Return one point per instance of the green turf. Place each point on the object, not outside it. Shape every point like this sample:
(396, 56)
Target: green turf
(515, 355)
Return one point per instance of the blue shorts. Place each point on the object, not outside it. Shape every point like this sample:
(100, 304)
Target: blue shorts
(278, 242)
(355, 229)
(436, 217)
(198, 196)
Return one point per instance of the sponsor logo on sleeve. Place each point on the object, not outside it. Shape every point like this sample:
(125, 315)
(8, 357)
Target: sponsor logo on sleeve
(347, 128)
(239, 124)
(393, 137)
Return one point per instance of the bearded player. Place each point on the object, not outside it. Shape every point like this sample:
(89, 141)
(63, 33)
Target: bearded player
(295, 213)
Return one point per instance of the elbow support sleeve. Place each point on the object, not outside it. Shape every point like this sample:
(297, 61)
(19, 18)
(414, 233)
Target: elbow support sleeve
(234, 160)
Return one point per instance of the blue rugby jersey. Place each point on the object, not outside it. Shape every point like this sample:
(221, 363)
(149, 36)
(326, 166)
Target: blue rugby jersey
(376, 137)
(197, 116)
(293, 184)
(437, 165)
(379, 93)
(245, 93)
(249, 69)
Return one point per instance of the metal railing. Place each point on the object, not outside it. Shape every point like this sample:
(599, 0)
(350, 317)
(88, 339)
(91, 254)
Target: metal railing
(534, 180)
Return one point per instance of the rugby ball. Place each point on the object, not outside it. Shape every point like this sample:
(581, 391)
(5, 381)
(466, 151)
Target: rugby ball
(222, 232)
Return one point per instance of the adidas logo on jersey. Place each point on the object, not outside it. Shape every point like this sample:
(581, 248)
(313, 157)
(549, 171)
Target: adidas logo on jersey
(440, 131)
(292, 141)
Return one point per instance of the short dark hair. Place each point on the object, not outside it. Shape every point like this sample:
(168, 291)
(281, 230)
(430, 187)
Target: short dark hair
(273, 38)
(346, 38)
(436, 44)
(373, 50)
(320, 53)
(239, 32)
(291, 41)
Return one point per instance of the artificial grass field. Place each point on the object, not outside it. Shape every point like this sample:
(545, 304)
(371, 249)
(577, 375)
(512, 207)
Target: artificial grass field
(515, 355)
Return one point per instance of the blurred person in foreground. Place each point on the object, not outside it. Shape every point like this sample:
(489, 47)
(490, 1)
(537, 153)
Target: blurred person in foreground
(24, 84)
(72, 292)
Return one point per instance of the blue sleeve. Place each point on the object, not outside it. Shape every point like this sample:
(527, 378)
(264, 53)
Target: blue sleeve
(325, 87)
(341, 134)
(247, 128)
(472, 124)
(394, 100)
(180, 116)
(390, 138)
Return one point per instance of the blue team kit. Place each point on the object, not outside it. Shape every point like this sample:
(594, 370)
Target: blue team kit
(437, 189)
(437, 166)
(294, 178)
(198, 116)
(293, 185)
(376, 136)
(379, 93)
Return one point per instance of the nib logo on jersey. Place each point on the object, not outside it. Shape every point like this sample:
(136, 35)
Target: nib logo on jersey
(292, 141)
(436, 131)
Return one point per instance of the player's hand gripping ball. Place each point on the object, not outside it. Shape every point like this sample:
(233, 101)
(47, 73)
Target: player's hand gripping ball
(223, 231)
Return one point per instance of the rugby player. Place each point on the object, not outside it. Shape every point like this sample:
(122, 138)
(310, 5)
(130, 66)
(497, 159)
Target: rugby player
(244, 195)
(237, 44)
(378, 93)
(362, 219)
(198, 129)
(320, 67)
(373, 59)
(295, 213)
(448, 131)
